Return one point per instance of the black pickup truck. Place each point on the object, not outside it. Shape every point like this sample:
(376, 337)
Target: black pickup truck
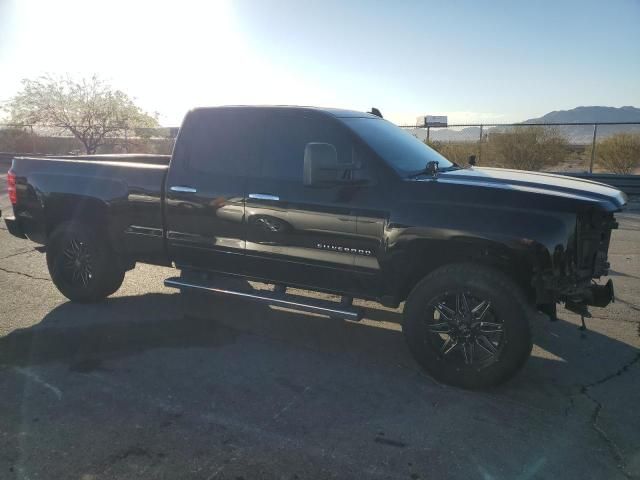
(332, 201)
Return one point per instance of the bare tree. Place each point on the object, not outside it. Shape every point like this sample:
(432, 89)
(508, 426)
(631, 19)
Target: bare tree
(89, 109)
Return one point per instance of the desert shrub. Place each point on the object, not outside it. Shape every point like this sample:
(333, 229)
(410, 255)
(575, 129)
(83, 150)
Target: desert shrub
(161, 146)
(20, 140)
(457, 152)
(15, 140)
(526, 148)
(55, 145)
(619, 153)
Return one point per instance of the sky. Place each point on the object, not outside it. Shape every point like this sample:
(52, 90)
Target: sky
(475, 61)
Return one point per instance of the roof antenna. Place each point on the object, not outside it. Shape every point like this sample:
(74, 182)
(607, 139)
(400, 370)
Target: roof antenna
(376, 112)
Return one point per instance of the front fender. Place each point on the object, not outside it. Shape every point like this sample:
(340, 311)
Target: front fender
(525, 241)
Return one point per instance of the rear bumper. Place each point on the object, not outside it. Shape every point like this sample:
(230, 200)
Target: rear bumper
(14, 227)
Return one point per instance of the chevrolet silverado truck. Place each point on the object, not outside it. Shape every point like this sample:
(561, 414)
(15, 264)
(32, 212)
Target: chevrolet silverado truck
(331, 201)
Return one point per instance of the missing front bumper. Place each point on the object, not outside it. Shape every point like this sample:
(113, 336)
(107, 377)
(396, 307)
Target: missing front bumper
(594, 296)
(601, 295)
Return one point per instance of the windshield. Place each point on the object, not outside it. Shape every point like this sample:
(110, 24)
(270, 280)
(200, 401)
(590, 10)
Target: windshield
(401, 150)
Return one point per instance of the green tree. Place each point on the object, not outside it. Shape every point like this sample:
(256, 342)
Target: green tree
(90, 109)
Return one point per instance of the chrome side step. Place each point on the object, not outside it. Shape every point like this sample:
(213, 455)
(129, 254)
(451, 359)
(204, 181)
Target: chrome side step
(295, 302)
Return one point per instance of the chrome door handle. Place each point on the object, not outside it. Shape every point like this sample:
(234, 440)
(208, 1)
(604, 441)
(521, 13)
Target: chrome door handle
(263, 196)
(179, 188)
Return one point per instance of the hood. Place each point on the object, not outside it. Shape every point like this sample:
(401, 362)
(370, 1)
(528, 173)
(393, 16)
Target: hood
(551, 184)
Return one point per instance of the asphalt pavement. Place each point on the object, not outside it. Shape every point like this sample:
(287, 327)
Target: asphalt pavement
(150, 384)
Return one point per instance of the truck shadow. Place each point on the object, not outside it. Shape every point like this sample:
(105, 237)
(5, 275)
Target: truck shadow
(85, 337)
(203, 370)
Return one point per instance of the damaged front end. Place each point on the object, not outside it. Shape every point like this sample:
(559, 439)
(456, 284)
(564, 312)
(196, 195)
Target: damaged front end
(576, 267)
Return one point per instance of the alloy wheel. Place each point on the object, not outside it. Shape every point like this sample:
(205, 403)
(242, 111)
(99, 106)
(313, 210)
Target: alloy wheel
(465, 329)
(77, 267)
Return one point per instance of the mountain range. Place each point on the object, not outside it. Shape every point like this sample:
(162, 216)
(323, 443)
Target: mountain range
(579, 134)
(590, 114)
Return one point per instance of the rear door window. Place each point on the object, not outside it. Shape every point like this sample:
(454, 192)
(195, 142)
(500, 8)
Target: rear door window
(216, 141)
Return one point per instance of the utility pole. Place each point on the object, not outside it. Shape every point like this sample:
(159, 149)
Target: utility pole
(33, 140)
(593, 147)
(480, 144)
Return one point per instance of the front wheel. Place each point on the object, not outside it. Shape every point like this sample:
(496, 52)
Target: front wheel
(467, 325)
(82, 265)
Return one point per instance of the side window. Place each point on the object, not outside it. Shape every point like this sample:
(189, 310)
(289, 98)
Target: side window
(216, 144)
(285, 137)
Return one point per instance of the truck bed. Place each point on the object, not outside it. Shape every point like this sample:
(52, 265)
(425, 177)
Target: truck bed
(146, 158)
(120, 194)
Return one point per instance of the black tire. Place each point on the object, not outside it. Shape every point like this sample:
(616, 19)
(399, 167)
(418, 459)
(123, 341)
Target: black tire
(103, 275)
(455, 352)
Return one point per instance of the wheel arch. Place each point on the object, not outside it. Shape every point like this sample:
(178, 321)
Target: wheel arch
(69, 209)
(424, 256)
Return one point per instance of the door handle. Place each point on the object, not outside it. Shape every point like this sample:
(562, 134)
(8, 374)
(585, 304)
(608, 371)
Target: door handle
(263, 196)
(183, 189)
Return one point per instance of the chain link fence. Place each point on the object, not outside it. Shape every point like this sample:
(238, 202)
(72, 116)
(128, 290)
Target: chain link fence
(39, 139)
(566, 147)
(559, 147)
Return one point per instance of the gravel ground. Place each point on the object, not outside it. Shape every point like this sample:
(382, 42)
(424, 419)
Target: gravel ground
(150, 385)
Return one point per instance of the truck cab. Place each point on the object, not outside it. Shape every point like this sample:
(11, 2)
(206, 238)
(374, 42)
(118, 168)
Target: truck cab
(301, 200)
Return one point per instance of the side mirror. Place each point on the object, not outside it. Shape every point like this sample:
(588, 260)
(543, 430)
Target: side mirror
(432, 168)
(321, 165)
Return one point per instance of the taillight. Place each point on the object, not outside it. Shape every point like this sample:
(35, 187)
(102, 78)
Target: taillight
(13, 194)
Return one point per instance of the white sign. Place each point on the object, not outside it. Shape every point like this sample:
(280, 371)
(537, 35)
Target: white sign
(431, 121)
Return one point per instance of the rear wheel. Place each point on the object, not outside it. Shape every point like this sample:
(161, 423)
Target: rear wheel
(467, 325)
(82, 265)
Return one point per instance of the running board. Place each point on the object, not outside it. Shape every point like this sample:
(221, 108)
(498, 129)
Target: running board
(295, 302)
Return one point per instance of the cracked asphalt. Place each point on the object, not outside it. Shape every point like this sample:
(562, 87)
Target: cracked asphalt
(149, 384)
